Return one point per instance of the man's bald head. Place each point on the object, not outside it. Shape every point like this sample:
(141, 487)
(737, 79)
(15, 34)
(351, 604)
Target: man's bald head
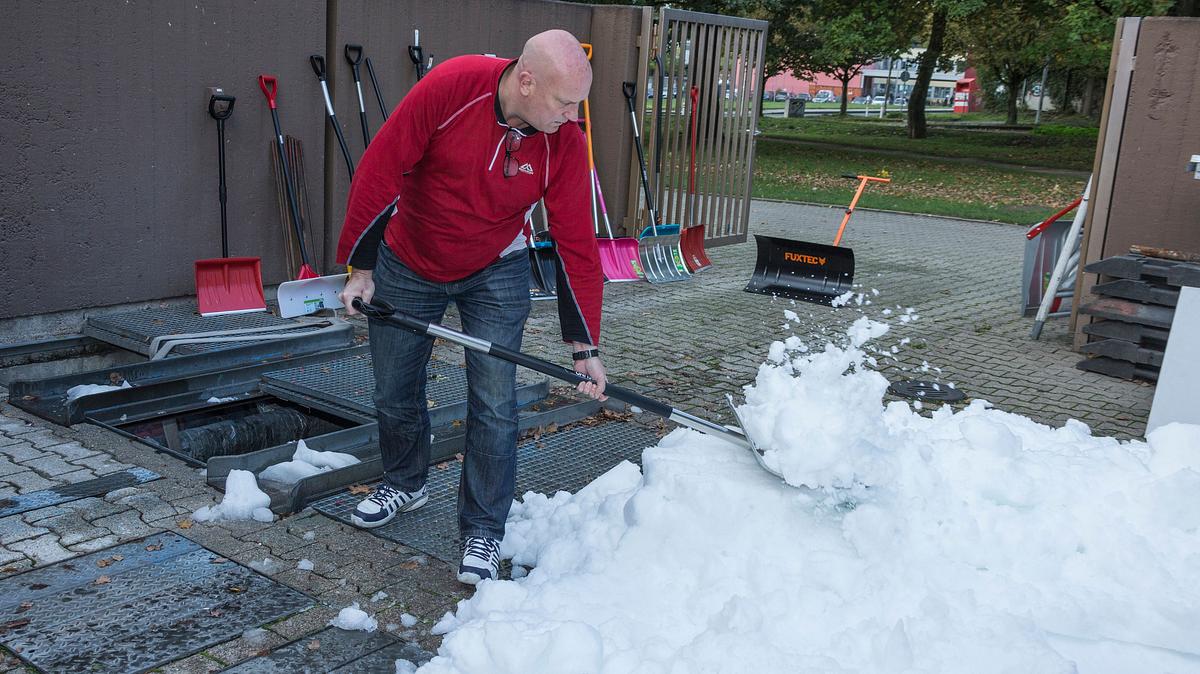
(555, 56)
(552, 77)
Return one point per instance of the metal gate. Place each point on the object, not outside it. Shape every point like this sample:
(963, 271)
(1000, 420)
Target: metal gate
(717, 62)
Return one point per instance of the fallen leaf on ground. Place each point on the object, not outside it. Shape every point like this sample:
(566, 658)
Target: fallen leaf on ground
(185, 524)
(153, 548)
(314, 645)
(359, 489)
(103, 580)
(25, 606)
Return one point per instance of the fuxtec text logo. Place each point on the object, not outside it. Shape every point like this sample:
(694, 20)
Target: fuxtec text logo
(806, 259)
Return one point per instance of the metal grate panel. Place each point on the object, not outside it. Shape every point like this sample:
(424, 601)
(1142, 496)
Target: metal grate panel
(134, 329)
(154, 601)
(567, 460)
(14, 505)
(350, 382)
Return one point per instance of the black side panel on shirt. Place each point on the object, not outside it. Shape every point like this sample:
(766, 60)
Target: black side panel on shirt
(365, 250)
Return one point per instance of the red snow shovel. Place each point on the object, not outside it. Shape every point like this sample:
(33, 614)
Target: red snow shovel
(269, 86)
(691, 239)
(227, 285)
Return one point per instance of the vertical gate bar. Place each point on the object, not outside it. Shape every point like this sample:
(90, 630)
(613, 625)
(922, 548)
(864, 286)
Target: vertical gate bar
(745, 127)
(726, 128)
(732, 187)
(666, 27)
(759, 55)
(710, 119)
(674, 126)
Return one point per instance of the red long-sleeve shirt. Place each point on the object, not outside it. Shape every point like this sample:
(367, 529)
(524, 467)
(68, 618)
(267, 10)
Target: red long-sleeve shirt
(432, 186)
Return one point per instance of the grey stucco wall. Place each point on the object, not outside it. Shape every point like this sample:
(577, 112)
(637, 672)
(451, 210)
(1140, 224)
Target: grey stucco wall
(108, 158)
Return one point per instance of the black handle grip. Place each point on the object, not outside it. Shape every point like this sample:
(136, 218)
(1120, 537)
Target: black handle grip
(414, 53)
(850, 176)
(629, 89)
(318, 66)
(221, 112)
(355, 49)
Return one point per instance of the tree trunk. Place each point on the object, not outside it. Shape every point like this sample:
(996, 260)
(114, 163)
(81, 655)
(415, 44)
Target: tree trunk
(1014, 87)
(920, 90)
(845, 94)
(1089, 92)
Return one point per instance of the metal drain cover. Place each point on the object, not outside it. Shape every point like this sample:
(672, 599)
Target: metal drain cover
(135, 606)
(567, 460)
(926, 390)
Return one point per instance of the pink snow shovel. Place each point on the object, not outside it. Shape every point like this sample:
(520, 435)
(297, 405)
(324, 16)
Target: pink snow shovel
(379, 310)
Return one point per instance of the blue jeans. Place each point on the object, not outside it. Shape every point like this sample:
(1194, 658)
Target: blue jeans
(493, 304)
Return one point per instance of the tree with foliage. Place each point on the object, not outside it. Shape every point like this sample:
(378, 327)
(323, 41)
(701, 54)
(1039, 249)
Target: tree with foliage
(840, 37)
(1012, 41)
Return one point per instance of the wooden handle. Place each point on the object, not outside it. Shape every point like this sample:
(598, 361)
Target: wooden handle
(1164, 253)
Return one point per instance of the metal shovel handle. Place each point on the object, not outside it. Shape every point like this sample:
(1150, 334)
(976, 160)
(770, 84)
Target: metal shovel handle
(380, 310)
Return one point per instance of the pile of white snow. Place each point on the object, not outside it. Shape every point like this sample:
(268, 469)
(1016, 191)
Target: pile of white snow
(92, 389)
(354, 618)
(305, 463)
(969, 541)
(243, 500)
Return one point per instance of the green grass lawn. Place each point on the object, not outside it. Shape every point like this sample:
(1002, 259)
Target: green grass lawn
(793, 172)
(1063, 146)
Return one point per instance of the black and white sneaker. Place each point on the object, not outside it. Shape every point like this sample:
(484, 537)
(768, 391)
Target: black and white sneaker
(480, 560)
(385, 503)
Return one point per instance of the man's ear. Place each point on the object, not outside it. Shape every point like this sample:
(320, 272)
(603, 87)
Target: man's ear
(527, 82)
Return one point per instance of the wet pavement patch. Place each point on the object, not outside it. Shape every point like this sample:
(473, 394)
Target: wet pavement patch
(567, 460)
(135, 606)
(15, 505)
(335, 650)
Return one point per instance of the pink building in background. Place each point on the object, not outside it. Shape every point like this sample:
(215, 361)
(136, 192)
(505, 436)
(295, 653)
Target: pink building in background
(793, 85)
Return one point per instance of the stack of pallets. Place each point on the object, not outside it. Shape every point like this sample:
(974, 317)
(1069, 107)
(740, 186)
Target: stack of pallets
(1132, 311)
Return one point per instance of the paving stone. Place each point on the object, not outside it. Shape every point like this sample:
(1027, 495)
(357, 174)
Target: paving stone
(95, 544)
(304, 623)
(43, 550)
(93, 507)
(199, 663)
(150, 505)
(21, 452)
(51, 466)
(30, 481)
(13, 528)
(72, 529)
(9, 556)
(102, 464)
(80, 475)
(8, 467)
(71, 451)
(127, 525)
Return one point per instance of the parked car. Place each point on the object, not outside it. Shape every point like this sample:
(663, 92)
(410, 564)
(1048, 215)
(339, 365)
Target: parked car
(859, 100)
(824, 96)
(802, 97)
(877, 100)
(781, 95)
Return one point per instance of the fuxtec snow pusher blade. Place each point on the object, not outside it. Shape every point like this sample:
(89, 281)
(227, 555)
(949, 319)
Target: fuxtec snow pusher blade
(801, 270)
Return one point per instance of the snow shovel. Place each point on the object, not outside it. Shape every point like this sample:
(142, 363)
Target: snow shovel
(227, 285)
(354, 56)
(618, 257)
(801, 270)
(269, 86)
(662, 261)
(691, 239)
(379, 310)
(318, 66)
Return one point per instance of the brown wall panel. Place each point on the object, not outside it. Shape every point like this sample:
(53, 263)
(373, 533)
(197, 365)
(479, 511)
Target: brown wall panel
(1155, 202)
(110, 158)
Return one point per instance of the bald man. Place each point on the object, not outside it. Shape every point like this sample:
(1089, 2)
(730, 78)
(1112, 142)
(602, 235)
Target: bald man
(448, 187)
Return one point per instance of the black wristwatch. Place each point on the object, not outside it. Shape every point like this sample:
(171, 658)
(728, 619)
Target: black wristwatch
(584, 355)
